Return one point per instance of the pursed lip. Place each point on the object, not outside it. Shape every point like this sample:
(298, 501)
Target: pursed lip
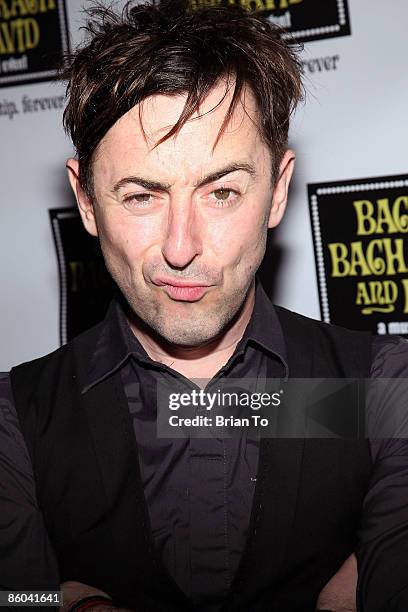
(178, 282)
(182, 290)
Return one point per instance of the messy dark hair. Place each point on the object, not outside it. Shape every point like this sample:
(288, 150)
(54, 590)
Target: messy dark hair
(169, 48)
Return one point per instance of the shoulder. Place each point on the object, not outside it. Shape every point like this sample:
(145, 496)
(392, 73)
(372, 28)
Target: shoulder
(84, 343)
(8, 417)
(389, 354)
(315, 325)
(389, 357)
(388, 399)
(336, 351)
(39, 376)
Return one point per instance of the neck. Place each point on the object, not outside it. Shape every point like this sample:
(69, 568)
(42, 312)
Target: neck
(204, 360)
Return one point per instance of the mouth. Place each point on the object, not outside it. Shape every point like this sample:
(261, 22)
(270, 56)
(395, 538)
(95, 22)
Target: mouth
(182, 290)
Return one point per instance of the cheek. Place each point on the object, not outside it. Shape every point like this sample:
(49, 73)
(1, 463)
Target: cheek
(126, 239)
(240, 242)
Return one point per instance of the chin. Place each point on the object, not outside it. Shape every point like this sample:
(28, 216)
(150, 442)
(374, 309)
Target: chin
(187, 324)
(189, 334)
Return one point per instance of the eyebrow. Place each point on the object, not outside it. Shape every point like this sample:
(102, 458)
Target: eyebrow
(210, 178)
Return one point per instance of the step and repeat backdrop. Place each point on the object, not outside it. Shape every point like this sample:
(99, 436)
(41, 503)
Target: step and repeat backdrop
(341, 253)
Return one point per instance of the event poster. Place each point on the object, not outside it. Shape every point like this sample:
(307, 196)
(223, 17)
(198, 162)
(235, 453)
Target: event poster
(85, 285)
(361, 249)
(33, 40)
(303, 20)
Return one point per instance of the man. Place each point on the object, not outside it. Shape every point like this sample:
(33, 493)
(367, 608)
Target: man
(180, 121)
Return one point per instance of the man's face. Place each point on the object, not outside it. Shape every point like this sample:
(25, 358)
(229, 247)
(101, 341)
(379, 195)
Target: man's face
(183, 226)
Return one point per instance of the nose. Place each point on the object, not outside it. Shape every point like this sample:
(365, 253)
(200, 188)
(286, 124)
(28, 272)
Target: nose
(182, 242)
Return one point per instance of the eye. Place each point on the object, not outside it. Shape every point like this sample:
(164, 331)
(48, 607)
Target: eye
(141, 197)
(223, 196)
(137, 200)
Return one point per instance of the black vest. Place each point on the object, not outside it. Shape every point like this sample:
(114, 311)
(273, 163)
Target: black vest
(307, 501)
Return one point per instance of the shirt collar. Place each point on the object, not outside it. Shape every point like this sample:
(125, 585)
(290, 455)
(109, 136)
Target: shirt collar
(264, 328)
(117, 342)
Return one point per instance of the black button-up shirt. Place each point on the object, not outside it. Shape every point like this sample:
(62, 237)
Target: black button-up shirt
(198, 491)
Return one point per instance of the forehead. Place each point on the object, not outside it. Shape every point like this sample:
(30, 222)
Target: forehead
(134, 137)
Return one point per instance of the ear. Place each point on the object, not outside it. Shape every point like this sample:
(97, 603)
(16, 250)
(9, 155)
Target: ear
(85, 204)
(280, 192)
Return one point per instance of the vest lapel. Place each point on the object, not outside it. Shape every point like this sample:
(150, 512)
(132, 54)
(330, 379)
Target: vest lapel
(117, 457)
(271, 519)
(275, 496)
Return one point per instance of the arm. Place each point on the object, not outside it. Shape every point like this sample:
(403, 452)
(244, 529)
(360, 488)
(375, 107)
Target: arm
(339, 594)
(382, 553)
(27, 559)
(383, 550)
